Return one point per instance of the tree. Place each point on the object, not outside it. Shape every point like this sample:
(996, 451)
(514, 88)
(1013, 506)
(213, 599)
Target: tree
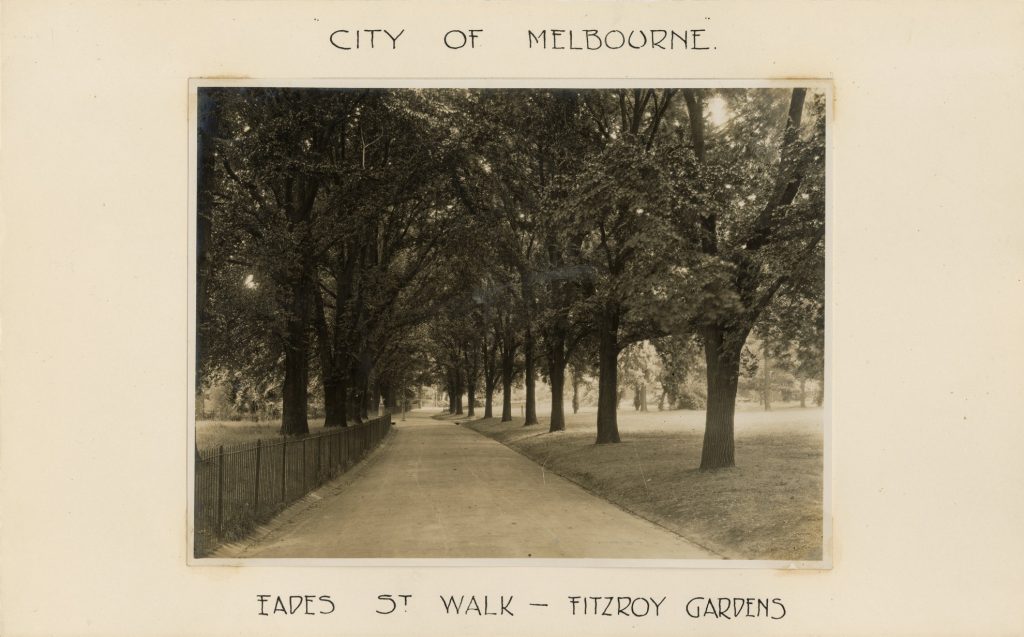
(536, 140)
(268, 148)
(680, 360)
(583, 367)
(624, 197)
(387, 236)
(336, 207)
(638, 367)
(762, 225)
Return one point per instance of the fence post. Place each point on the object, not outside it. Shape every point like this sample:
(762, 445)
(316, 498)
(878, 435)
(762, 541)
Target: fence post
(319, 459)
(220, 489)
(256, 498)
(284, 470)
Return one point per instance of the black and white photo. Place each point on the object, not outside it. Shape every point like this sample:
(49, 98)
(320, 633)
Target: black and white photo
(511, 322)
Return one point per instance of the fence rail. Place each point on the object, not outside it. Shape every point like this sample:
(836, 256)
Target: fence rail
(237, 486)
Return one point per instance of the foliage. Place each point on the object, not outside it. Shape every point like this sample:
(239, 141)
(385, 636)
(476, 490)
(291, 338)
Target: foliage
(382, 239)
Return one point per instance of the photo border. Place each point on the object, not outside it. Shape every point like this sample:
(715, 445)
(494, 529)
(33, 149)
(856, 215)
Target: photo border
(821, 84)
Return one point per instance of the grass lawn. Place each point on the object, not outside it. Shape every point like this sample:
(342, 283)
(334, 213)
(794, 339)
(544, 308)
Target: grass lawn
(211, 433)
(767, 507)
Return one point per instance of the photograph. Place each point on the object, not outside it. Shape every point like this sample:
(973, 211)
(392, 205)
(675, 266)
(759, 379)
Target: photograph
(511, 323)
(513, 318)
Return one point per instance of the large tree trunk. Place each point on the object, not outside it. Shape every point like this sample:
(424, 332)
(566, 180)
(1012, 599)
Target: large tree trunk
(357, 395)
(391, 402)
(607, 392)
(295, 391)
(470, 397)
(556, 365)
(334, 402)
(766, 379)
(803, 392)
(364, 402)
(359, 382)
(531, 381)
(333, 380)
(722, 355)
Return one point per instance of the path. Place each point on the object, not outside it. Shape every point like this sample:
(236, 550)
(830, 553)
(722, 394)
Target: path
(440, 490)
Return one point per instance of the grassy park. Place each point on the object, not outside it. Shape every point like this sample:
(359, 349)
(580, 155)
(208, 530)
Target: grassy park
(767, 507)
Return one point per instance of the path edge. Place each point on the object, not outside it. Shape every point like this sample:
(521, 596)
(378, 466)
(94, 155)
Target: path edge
(237, 548)
(464, 425)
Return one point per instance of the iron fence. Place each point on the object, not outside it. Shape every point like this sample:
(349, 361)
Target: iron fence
(240, 485)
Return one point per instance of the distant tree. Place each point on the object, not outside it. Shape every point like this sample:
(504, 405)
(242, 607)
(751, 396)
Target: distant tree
(680, 360)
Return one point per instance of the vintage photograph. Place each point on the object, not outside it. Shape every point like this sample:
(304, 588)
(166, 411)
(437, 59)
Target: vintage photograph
(511, 323)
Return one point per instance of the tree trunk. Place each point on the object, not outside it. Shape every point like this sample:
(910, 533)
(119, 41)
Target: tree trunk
(575, 392)
(334, 403)
(374, 402)
(507, 370)
(488, 398)
(364, 402)
(643, 397)
(451, 391)
(356, 395)
(766, 384)
(531, 381)
(608, 357)
(722, 355)
(556, 362)
(390, 396)
(295, 390)
(803, 392)
(471, 397)
(459, 389)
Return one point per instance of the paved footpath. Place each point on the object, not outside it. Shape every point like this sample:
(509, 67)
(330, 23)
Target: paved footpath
(436, 489)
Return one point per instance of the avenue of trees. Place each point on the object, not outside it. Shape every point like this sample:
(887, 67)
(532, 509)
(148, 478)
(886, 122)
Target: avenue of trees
(356, 244)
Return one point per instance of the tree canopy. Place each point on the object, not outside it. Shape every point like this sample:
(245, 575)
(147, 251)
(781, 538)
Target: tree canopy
(356, 242)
